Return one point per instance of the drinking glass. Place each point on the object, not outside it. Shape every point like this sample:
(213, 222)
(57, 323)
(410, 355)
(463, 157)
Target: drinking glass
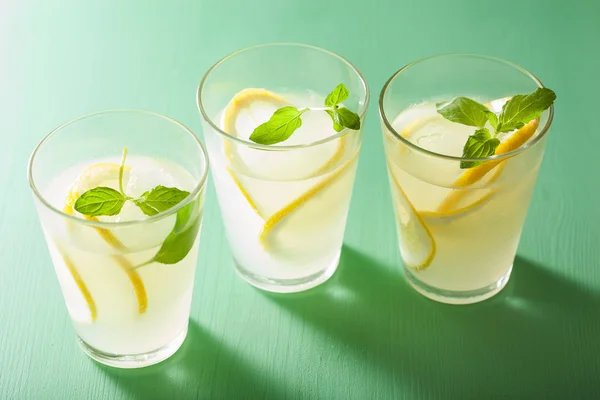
(458, 229)
(127, 280)
(284, 206)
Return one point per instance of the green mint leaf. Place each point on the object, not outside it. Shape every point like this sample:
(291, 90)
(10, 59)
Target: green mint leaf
(336, 126)
(493, 118)
(346, 118)
(280, 127)
(479, 145)
(339, 94)
(464, 111)
(286, 120)
(522, 108)
(160, 199)
(100, 201)
(180, 241)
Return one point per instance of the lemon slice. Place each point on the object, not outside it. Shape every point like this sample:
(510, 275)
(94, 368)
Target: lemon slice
(456, 210)
(513, 142)
(475, 174)
(242, 101)
(417, 246)
(456, 199)
(417, 242)
(82, 287)
(240, 107)
(89, 178)
(279, 216)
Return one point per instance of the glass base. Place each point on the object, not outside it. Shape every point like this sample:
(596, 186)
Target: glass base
(457, 297)
(135, 360)
(288, 285)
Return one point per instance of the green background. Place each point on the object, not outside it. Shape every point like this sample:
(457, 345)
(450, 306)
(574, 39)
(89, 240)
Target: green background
(365, 334)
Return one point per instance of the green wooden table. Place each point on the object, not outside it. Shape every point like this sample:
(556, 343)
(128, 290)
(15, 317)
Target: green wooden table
(365, 334)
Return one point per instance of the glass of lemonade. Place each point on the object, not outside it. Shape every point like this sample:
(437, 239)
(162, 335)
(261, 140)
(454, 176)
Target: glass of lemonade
(284, 205)
(459, 217)
(123, 232)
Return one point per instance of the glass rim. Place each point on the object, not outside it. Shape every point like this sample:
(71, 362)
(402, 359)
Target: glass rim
(496, 157)
(362, 112)
(105, 224)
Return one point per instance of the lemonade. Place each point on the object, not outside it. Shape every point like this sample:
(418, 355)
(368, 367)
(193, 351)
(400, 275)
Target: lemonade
(469, 236)
(127, 311)
(284, 211)
(282, 125)
(123, 234)
(464, 136)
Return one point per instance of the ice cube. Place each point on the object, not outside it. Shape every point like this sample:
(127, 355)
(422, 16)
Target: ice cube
(145, 178)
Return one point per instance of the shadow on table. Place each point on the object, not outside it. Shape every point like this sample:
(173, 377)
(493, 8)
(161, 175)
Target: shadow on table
(202, 368)
(539, 336)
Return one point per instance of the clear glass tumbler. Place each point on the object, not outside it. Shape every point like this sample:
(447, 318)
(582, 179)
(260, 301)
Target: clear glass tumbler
(458, 229)
(127, 279)
(284, 206)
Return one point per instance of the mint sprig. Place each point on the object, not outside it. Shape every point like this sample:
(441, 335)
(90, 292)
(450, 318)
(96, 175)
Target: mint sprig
(284, 122)
(108, 201)
(103, 200)
(516, 112)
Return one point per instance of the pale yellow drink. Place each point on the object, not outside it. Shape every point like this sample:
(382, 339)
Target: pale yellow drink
(120, 304)
(284, 211)
(458, 229)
